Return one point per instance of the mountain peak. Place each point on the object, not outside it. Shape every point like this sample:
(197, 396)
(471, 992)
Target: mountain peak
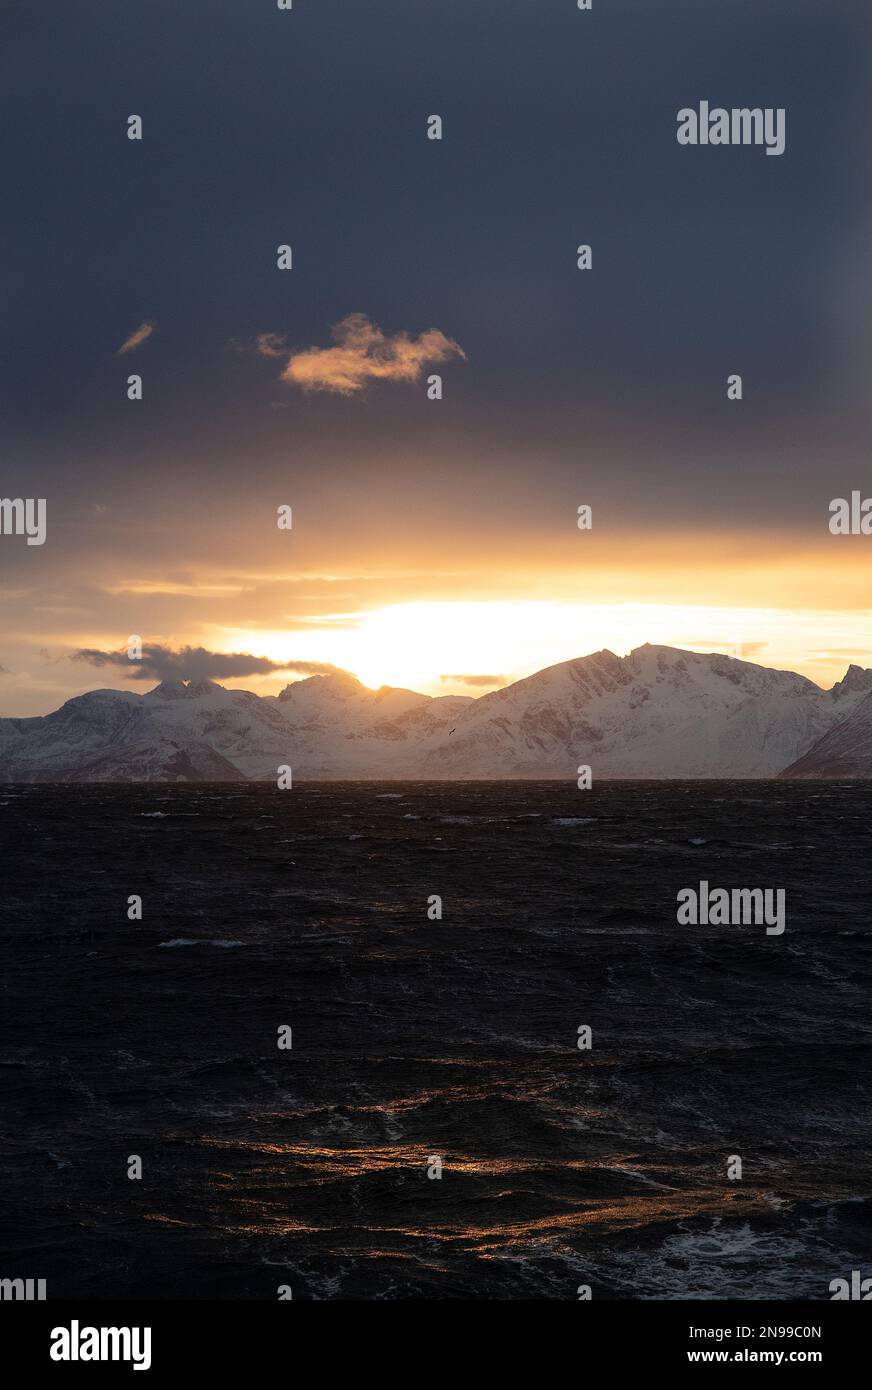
(168, 690)
(336, 684)
(203, 687)
(855, 679)
(184, 690)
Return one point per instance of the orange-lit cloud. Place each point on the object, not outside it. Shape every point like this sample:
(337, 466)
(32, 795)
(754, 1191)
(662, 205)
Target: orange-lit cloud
(399, 605)
(361, 353)
(476, 680)
(137, 338)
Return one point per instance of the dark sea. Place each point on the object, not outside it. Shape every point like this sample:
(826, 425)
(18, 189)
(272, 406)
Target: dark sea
(418, 1039)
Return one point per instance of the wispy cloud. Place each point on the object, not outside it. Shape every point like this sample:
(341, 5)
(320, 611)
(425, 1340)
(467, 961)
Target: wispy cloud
(476, 680)
(171, 586)
(139, 336)
(361, 353)
(722, 644)
(271, 345)
(197, 663)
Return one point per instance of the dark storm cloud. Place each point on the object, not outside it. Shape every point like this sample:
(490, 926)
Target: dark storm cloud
(197, 663)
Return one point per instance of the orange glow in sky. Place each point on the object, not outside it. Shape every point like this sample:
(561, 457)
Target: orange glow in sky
(416, 644)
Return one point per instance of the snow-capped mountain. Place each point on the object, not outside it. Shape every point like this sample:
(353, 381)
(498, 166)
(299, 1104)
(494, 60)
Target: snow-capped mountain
(659, 712)
(844, 751)
(857, 681)
(343, 729)
(198, 731)
(341, 701)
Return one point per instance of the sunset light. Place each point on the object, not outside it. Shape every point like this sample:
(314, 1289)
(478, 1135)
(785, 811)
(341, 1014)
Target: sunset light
(435, 679)
(416, 645)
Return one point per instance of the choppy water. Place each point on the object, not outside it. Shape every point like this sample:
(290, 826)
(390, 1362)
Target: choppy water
(414, 1038)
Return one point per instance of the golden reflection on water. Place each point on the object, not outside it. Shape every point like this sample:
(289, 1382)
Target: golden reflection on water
(670, 1195)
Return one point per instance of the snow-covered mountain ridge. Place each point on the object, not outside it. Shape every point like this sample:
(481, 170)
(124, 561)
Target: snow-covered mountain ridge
(659, 712)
